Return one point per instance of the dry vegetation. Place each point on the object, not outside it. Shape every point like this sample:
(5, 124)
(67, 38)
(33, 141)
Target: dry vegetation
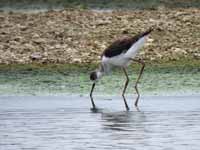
(80, 36)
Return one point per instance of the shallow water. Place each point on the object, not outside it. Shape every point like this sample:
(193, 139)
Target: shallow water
(27, 80)
(55, 122)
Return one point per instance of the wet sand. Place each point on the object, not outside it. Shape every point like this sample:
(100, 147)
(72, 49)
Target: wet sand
(56, 122)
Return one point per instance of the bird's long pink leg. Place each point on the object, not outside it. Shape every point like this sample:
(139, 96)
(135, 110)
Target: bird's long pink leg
(137, 81)
(125, 86)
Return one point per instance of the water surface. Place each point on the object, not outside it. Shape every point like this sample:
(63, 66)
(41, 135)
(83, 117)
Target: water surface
(66, 122)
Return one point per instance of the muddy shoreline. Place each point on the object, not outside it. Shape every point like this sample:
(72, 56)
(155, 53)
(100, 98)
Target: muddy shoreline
(79, 36)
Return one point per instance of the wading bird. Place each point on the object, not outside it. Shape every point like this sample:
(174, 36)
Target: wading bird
(120, 54)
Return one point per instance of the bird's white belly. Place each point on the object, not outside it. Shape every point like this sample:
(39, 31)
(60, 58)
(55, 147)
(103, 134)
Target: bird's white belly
(133, 50)
(119, 60)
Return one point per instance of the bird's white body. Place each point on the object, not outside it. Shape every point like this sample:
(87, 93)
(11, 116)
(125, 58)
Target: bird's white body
(123, 59)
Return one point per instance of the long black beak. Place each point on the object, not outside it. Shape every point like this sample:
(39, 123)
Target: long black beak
(93, 105)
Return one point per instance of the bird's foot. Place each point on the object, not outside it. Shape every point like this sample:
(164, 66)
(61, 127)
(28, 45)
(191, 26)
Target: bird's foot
(137, 108)
(94, 109)
(127, 108)
(136, 102)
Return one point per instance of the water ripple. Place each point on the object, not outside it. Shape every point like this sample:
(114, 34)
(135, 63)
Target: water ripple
(66, 127)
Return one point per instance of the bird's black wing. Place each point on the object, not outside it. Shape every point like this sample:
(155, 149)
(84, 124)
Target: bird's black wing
(122, 45)
(117, 47)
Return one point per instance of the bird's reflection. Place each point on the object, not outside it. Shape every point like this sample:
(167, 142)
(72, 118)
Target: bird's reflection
(123, 121)
(125, 127)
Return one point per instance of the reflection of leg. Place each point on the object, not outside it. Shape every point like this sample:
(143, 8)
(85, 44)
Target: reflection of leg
(93, 105)
(137, 81)
(125, 86)
(137, 108)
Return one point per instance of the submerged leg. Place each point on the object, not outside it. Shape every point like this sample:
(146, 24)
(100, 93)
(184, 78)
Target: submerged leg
(137, 81)
(125, 86)
(93, 105)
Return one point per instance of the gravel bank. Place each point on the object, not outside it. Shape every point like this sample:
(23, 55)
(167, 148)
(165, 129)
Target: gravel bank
(80, 36)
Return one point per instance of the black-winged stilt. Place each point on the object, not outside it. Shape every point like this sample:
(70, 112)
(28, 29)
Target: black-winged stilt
(120, 54)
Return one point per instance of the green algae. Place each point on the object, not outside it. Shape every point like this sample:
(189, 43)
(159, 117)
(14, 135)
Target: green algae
(159, 78)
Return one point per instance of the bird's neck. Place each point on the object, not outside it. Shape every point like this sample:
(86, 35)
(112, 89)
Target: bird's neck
(101, 68)
(100, 71)
(99, 74)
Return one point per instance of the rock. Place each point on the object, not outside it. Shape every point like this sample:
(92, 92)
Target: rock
(103, 22)
(29, 46)
(77, 60)
(179, 51)
(35, 56)
(17, 38)
(39, 40)
(35, 35)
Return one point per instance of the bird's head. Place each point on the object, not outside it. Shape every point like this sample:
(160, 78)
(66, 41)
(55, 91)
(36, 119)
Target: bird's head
(95, 75)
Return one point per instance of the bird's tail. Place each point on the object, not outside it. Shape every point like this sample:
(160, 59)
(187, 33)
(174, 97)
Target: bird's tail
(147, 32)
(140, 41)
